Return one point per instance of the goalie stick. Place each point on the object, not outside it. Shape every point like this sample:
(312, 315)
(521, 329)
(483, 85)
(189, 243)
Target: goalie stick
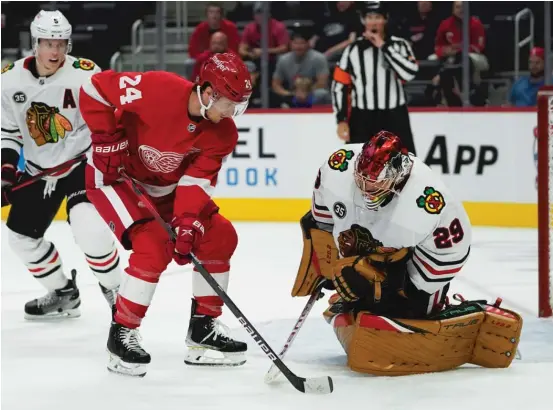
(274, 371)
(319, 385)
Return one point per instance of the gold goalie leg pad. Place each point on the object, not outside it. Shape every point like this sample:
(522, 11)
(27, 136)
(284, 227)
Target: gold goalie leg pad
(318, 257)
(498, 339)
(384, 346)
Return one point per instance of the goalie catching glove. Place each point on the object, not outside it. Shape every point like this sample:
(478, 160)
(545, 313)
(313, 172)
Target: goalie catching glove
(363, 277)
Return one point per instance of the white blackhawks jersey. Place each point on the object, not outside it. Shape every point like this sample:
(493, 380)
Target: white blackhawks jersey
(424, 216)
(42, 114)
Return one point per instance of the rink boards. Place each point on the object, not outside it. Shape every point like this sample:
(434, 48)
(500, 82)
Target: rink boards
(486, 157)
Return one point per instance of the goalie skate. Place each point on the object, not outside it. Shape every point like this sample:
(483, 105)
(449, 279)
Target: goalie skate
(208, 344)
(59, 304)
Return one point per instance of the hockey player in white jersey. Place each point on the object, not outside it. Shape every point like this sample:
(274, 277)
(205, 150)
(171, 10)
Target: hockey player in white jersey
(388, 235)
(40, 113)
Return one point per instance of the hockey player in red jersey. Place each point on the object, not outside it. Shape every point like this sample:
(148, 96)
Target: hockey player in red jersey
(171, 136)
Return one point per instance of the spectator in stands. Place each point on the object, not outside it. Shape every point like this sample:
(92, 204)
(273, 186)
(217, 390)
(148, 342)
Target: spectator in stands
(449, 47)
(339, 27)
(250, 46)
(422, 29)
(525, 90)
(301, 62)
(218, 44)
(201, 37)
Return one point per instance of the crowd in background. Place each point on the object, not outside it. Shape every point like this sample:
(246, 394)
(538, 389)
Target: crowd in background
(307, 39)
(302, 57)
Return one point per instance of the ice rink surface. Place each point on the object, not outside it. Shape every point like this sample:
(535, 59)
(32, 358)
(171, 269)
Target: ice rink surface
(62, 365)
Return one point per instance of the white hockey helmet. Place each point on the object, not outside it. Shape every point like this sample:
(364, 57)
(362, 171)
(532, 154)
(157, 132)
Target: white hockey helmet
(51, 25)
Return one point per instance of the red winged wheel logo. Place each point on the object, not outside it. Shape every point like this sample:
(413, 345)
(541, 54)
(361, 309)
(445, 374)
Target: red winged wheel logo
(158, 161)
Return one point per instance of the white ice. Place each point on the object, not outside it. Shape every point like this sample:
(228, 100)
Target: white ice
(62, 365)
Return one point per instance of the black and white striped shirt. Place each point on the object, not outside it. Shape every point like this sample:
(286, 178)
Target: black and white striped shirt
(369, 78)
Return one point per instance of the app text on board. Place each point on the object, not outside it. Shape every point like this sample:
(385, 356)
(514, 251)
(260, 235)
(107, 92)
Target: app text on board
(466, 155)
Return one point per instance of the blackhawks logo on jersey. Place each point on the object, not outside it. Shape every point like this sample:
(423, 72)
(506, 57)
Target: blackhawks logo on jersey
(46, 124)
(432, 201)
(83, 64)
(359, 241)
(338, 161)
(7, 68)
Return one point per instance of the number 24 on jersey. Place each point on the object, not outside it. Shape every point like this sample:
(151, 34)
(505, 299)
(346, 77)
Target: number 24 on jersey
(131, 93)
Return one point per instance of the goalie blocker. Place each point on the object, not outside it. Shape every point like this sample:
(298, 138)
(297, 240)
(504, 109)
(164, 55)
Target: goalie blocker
(375, 317)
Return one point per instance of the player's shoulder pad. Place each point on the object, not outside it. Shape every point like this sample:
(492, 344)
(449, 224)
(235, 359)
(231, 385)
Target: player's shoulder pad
(343, 158)
(425, 191)
(10, 69)
(12, 75)
(7, 67)
(83, 64)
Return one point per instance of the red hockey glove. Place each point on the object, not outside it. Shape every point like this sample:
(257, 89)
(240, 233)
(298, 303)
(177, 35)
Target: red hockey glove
(188, 229)
(108, 153)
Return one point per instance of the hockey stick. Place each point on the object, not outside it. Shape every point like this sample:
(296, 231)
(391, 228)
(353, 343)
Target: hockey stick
(320, 385)
(274, 371)
(47, 172)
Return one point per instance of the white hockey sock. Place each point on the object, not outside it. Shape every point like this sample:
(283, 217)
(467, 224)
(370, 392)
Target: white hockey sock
(41, 259)
(106, 268)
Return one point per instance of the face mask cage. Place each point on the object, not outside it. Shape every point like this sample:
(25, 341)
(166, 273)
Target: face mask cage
(376, 191)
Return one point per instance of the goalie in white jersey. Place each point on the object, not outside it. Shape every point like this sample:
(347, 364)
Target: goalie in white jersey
(40, 113)
(388, 235)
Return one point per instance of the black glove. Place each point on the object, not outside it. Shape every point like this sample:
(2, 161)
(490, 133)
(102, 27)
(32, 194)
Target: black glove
(354, 278)
(9, 173)
(351, 286)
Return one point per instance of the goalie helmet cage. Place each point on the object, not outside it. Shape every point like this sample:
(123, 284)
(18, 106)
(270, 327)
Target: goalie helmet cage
(545, 200)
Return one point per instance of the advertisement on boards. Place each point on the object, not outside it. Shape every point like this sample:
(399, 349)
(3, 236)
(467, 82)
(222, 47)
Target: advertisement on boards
(486, 158)
(483, 157)
(277, 156)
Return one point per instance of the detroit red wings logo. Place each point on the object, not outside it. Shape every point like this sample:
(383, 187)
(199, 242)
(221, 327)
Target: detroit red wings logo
(158, 161)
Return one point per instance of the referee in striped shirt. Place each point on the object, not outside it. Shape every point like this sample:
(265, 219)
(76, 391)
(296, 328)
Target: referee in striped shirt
(367, 88)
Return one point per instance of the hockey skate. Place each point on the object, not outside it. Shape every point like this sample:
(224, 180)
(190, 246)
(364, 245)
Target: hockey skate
(126, 356)
(208, 344)
(59, 304)
(111, 297)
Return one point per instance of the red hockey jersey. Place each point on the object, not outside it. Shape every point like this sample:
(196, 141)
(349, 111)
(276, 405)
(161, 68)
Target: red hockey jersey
(168, 149)
(450, 33)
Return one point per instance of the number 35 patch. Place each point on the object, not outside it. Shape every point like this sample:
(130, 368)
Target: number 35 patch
(340, 210)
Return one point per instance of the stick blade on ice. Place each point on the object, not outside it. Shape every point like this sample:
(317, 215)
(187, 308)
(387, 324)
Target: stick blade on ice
(319, 385)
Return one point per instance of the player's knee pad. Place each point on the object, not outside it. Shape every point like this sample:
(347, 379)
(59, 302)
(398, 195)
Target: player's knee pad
(221, 239)
(29, 250)
(90, 231)
(152, 247)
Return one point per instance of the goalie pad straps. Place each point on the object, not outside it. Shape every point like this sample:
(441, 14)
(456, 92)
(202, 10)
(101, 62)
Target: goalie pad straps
(317, 260)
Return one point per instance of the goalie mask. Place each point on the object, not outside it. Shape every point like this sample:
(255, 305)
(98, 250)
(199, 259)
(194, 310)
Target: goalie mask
(381, 167)
(230, 80)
